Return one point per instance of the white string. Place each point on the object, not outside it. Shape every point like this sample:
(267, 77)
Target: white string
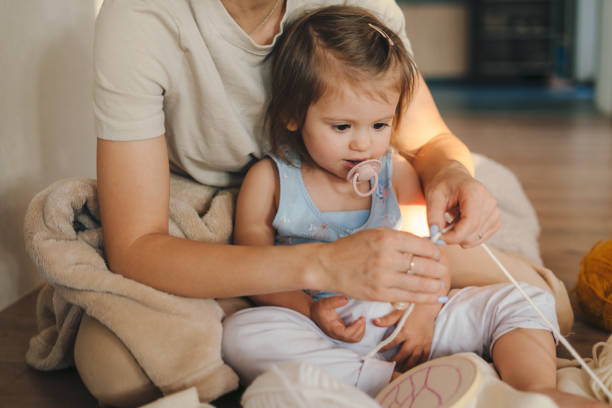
(393, 335)
(568, 346)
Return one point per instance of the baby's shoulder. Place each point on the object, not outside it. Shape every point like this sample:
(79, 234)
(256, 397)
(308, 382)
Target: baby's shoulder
(261, 181)
(262, 170)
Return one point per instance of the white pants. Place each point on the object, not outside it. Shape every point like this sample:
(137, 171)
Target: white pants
(472, 320)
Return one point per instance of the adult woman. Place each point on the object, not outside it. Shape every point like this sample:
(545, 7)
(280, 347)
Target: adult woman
(181, 86)
(133, 173)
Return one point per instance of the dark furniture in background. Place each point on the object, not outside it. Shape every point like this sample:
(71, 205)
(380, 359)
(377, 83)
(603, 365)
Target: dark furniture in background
(521, 39)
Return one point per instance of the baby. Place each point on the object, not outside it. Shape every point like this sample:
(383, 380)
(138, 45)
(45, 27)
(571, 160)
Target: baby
(341, 83)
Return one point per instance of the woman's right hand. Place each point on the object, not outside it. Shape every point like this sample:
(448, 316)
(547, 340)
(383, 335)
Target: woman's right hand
(383, 265)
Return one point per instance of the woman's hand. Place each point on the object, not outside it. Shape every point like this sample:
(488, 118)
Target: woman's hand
(381, 264)
(415, 337)
(323, 313)
(454, 188)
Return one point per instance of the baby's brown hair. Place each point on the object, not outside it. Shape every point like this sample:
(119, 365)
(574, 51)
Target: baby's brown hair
(334, 43)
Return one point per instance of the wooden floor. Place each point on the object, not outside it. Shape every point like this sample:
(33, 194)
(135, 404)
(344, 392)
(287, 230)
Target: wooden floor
(561, 152)
(564, 163)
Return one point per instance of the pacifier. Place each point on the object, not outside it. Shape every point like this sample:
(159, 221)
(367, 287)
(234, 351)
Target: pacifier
(365, 171)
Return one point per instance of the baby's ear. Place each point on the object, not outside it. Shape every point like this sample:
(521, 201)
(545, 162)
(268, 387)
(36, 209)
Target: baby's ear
(292, 126)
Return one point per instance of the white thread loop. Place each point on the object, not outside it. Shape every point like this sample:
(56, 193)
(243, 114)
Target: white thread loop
(365, 171)
(397, 330)
(602, 366)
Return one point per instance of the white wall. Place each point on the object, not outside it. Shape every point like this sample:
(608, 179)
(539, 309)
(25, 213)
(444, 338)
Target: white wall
(46, 124)
(586, 41)
(603, 83)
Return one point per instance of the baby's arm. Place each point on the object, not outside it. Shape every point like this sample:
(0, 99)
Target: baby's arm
(406, 183)
(255, 210)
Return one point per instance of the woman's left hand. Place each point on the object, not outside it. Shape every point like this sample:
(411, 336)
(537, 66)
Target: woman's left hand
(415, 337)
(453, 187)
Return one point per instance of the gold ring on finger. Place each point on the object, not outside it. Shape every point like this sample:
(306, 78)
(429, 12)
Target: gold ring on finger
(411, 265)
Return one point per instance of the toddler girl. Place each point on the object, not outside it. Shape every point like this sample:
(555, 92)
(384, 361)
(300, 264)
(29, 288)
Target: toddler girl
(340, 83)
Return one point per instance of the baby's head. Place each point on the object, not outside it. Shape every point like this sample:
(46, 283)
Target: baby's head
(331, 51)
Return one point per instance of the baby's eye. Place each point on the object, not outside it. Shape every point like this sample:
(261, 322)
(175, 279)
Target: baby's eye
(342, 127)
(380, 125)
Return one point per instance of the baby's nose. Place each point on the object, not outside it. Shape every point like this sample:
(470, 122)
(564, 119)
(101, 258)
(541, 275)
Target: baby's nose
(360, 141)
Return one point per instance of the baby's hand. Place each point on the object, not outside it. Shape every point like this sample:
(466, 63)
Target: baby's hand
(415, 337)
(323, 313)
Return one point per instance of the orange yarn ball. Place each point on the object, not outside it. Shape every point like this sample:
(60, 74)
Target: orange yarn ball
(594, 288)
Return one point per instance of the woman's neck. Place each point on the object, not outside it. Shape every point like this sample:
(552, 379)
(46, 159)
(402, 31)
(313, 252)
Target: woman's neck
(260, 19)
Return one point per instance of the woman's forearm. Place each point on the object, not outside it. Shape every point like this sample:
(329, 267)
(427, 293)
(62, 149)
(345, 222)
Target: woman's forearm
(205, 270)
(439, 153)
(426, 141)
(368, 265)
(134, 211)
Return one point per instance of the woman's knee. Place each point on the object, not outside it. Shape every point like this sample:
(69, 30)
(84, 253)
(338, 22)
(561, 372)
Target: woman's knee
(108, 369)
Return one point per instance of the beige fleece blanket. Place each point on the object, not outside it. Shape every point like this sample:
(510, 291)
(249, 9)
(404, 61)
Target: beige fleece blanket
(64, 239)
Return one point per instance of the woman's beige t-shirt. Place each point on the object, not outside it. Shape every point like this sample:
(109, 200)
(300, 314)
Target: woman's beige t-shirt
(185, 69)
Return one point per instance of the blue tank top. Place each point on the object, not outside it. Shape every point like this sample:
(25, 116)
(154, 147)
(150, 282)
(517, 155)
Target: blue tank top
(298, 220)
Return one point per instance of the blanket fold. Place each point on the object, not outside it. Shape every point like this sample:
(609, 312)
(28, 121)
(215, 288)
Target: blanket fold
(64, 239)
